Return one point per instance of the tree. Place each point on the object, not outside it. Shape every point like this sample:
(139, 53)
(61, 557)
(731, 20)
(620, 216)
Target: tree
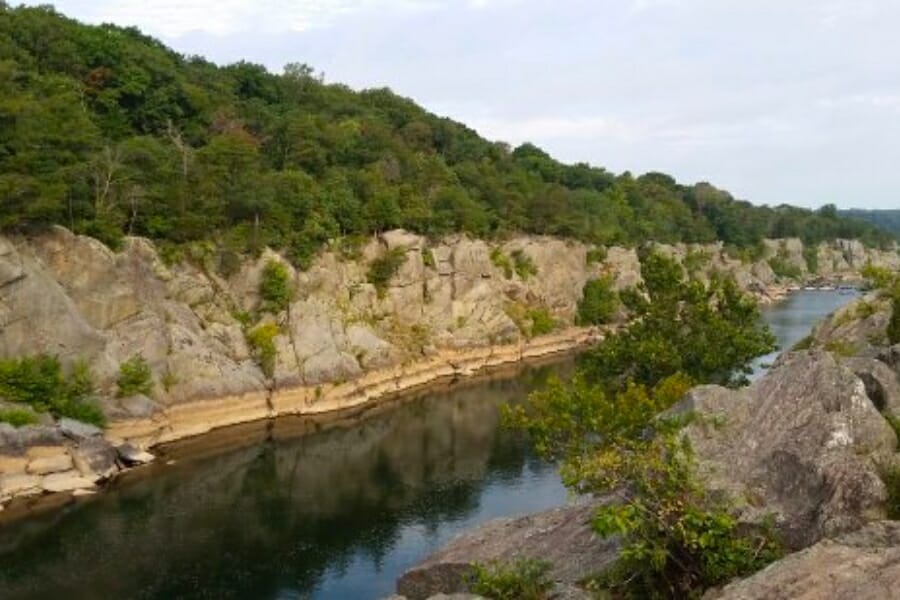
(606, 428)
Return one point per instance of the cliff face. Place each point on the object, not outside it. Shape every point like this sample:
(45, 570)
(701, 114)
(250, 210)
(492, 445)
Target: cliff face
(451, 308)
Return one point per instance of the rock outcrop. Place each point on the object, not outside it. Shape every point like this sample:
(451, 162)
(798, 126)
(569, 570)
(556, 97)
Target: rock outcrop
(561, 536)
(804, 443)
(452, 308)
(862, 565)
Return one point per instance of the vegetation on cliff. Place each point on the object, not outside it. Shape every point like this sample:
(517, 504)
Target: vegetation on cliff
(607, 429)
(41, 383)
(108, 132)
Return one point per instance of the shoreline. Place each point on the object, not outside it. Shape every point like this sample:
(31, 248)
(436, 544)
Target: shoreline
(190, 422)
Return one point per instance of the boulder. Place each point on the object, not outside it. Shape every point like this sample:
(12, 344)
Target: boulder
(95, 458)
(66, 481)
(77, 430)
(863, 565)
(561, 536)
(131, 455)
(803, 443)
(882, 383)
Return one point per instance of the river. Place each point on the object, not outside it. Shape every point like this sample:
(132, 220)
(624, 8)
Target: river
(324, 508)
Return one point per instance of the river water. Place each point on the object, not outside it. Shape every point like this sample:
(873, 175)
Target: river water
(332, 508)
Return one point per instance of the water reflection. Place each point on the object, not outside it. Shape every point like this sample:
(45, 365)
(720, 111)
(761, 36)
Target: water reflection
(291, 513)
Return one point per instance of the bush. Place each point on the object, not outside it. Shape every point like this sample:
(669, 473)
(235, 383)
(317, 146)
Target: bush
(262, 344)
(39, 382)
(891, 478)
(811, 256)
(598, 302)
(383, 269)
(135, 377)
(595, 255)
(523, 264)
(524, 579)
(893, 328)
(428, 258)
(501, 261)
(17, 417)
(275, 287)
(542, 322)
(783, 268)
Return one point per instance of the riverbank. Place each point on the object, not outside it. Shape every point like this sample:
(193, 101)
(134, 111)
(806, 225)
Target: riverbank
(51, 469)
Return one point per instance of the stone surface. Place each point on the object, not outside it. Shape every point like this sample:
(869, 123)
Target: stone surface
(49, 464)
(65, 482)
(561, 536)
(20, 484)
(863, 565)
(95, 458)
(77, 430)
(132, 455)
(804, 443)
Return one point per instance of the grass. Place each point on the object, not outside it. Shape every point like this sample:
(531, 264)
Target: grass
(523, 579)
(17, 417)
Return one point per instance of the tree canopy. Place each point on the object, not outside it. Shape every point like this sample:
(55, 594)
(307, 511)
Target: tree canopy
(108, 132)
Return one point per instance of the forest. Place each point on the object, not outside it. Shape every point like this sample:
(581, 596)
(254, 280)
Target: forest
(108, 132)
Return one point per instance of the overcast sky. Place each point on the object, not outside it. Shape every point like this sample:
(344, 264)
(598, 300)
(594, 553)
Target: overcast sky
(793, 101)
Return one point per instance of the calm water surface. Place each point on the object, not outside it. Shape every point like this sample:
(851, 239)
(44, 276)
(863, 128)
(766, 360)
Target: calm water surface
(303, 508)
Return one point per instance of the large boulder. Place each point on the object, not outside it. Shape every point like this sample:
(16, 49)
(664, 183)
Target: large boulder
(804, 444)
(561, 536)
(863, 565)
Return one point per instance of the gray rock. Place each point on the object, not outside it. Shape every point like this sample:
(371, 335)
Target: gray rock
(131, 455)
(863, 565)
(95, 458)
(561, 536)
(78, 430)
(802, 443)
(882, 384)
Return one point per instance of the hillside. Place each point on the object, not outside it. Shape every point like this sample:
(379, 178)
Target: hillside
(888, 220)
(108, 132)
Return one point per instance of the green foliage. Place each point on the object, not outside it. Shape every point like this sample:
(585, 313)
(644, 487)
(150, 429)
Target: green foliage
(595, 255)
(383, 268)
(879, 278)
(542, 322)
(428, 258)
(275, 287)
(17, 417)
(523, 264)
(811, 256)
(262, 343)
(709, 332)
(608, 429)
(501, 261)
(107, 131)
(695, 260)
(783, 267)
(39, 382)
(841, 348)
(598, 303)
(134, 377)
(890, 475)
(524, 579)
(804, 344)
(893, 328)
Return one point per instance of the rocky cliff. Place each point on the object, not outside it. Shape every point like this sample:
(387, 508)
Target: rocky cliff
(454, 306)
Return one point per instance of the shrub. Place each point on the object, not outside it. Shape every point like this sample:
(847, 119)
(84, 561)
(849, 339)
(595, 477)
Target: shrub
(262, 344)
(501, 261)
(811, 256)
(893, 328)
(804, 344)
(383, 269)
(428, 258)
(598, 302)
(784, 268)
(17, 417)
(595, 255)
(524, 579)
(695, 260)
(841, 348)
(891, 478)
(523, 264)
(275, 288)
(542, 322)
(135, 377)
(39, 382)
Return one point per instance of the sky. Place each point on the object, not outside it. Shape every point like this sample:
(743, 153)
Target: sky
(777, 101)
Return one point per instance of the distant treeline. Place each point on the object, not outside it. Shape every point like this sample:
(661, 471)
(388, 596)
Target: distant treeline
(888, 219)
(108, 132)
